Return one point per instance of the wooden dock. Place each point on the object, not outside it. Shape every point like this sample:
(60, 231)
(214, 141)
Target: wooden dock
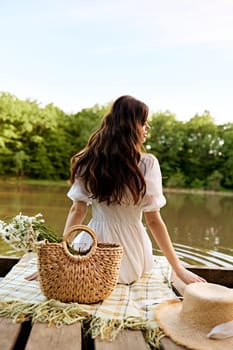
(38, 336)
(24, 336)
(219, 275)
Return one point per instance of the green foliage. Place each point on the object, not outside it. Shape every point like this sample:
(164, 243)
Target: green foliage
(201, 145)
(198, 184)
(226, 154)
(166, 141)
(83, 123)
(38, 142)
(190, 153)
(176, 181)
(214, 181)
(20, 158)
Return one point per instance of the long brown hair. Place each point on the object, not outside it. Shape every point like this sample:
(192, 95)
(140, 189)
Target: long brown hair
(109, 164)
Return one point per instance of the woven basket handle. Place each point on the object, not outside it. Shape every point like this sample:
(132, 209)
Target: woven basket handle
(70, 236)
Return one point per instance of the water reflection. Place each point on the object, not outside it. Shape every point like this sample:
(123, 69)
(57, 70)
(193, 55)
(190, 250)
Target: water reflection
(200, 225)
(202, 221)
(51, 201)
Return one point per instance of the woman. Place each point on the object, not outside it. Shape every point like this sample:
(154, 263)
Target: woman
(121, 183)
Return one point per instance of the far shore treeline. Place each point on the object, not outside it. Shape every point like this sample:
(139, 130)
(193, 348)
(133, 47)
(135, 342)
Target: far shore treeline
(37, 142)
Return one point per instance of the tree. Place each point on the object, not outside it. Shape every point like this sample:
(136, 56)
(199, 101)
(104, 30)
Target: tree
(201, 149)
(166, 141)
(226, 154)
(83, 123)
(38, 142)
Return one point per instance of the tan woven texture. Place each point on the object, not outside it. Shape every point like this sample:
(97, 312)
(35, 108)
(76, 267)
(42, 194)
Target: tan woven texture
(86, 278)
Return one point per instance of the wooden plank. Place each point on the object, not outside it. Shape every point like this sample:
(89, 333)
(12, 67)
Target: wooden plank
(6, 263)
(68, 337)
(9, 333)
(126, 339)
(168, 344)
(219, 275)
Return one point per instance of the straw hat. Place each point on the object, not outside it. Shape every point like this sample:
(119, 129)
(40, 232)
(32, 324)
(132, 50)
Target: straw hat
(188, 322)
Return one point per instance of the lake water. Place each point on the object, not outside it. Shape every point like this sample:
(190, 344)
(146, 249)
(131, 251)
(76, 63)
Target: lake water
(200, 225)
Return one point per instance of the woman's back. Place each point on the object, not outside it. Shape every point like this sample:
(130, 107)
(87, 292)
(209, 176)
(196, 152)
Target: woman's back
(122, 223)
(121, 183)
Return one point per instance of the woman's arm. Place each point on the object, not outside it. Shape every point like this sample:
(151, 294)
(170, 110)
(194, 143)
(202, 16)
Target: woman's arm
(160, 233)
(76, 215)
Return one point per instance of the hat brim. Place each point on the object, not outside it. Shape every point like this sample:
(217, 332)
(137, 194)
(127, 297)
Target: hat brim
(192, 336)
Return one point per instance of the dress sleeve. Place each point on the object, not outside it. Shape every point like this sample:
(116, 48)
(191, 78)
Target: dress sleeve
(154, 198)
(78, 192)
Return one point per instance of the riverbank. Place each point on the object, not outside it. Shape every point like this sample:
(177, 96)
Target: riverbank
(66, 183)
(27, 181)
(198, 191)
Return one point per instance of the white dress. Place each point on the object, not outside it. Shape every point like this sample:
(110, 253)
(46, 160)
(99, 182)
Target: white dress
(123, 223)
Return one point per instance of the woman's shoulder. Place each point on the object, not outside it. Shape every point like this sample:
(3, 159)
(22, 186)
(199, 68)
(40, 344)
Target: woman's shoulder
(149, 160)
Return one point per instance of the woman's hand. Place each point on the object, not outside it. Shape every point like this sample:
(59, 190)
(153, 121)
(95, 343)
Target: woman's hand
(160, 233)
(32, 277)
(187, 276)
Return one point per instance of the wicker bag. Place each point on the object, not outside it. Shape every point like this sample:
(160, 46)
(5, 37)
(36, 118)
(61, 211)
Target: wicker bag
(86, 278)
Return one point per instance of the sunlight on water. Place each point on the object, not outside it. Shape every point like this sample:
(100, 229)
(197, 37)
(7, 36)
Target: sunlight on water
(196, 256)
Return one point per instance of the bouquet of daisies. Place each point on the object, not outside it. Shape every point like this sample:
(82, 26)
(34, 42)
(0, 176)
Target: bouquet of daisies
(26, 233)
